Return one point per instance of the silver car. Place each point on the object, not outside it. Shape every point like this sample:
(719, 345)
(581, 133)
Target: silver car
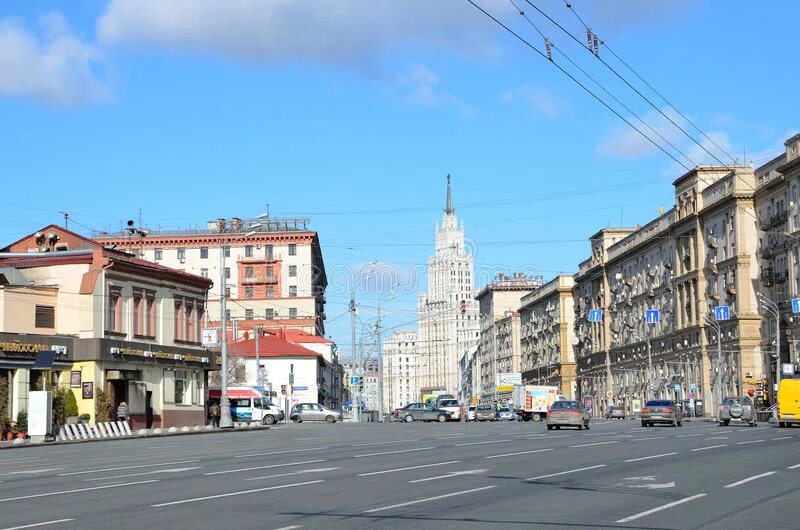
(314, 412)
(662, 411)
(565, 413)
(738, 409)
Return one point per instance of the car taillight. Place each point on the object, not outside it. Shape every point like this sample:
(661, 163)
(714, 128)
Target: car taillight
(668, 410)
(646, 410)
(576, 413)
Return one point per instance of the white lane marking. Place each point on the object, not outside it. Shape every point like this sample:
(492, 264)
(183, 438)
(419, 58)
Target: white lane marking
(301, 472)
(428, 499)
(281, 452)
(31, 471)
(115, 477)
(794, 466)
(781, 438)
(660, 508)
(650, 457)
(383, 443)
(483, 443)
(450, 475)
(520, 453)
(289, 527)
(446, 436)
(78, 490)
(394, 452)
(748, 479)
(235, 493)
(123, 468)
(395, 470)
(255, 468)
(722, 432)
(653, 486)
(160, 446)
(34, 525)
(649, 438)
(688, 435)
(596, 443)
(717, 438)
(749, 442)
(709, 447)
(565, 472)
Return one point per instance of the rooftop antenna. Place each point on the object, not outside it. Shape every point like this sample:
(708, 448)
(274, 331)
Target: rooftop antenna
(66, 219)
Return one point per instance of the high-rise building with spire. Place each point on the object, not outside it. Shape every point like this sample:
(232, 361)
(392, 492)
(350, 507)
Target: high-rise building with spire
(448, 314)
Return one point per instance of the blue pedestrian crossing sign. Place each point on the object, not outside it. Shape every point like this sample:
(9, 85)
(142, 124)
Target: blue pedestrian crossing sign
(652, 316)
(354, 380)
(795, 305)
(595, 315)
(722, 312)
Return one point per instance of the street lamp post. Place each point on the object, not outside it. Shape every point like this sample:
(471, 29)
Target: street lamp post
(225, 420)
(718, 378)
(356, 353)
(772, 308)
(392, 294)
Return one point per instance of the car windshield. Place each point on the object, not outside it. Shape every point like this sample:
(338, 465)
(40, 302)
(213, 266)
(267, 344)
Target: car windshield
(659, 403)
(573, 405)
(484, 407)
(448, 403)
(472, 407)
(739, 400)
(505, 409)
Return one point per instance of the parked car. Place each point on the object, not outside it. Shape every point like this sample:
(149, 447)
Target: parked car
(423, 412)
(788, 411)
(314, 412)
(471, 412)
(484, 413)
(615, 413)
(565, 413)
(451, 406)
(662, 411)
(738, 409)
(505, 414)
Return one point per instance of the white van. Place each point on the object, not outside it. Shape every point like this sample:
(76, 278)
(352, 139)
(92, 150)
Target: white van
(249, 404)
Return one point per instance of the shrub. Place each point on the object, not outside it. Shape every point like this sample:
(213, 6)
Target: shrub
(71, 405)
(102, 405)
(4, 396)
(22, 421)
(59, 405)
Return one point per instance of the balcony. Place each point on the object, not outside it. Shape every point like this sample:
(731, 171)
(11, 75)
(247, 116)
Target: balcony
(779, 217)
(257, 280)
(767, 278)
(767, 252)
(271, 258)
(780, 277)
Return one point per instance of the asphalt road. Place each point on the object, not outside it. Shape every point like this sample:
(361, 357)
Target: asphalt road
(501, 475)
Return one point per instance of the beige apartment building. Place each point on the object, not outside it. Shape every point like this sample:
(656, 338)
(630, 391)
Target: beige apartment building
(274, 271)
(689, 260)
(547, 339)
(499, 349)
(401, 377)
(115, 323)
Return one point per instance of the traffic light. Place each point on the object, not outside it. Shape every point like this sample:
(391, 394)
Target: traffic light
(361, 384)
(283, 389)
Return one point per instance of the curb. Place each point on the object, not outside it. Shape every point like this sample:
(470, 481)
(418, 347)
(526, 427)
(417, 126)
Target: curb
(136, 436)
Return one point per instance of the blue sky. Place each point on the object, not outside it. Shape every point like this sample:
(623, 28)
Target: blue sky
(352, 113)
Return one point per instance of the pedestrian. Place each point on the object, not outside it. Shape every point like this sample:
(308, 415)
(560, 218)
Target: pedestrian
(215, 413)
(122, 412)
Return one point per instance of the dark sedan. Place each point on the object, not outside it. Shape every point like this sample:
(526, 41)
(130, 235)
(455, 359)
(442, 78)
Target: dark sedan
(422, 412)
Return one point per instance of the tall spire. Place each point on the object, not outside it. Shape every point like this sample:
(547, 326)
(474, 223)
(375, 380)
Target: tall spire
(448, 209)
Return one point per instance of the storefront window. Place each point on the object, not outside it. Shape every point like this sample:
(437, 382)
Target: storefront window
(197, 389)
(182, 391)
(169, 386)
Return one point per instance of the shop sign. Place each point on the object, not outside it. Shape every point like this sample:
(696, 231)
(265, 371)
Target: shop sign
(133, 352)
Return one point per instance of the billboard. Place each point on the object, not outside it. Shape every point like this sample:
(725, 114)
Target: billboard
(509, 379)
(210, 337)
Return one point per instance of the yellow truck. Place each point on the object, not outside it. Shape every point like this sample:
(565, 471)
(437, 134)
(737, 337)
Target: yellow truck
(788, 402)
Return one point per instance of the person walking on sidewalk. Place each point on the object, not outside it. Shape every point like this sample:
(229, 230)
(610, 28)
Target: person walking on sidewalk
(122, 412)
(214, 411)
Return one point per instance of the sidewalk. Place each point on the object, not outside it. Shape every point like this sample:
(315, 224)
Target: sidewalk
(141, 433)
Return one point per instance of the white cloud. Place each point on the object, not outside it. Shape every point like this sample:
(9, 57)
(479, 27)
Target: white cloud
(426, 91)
(542, 102)
(352, 32)
(624, 142)
(57, 68)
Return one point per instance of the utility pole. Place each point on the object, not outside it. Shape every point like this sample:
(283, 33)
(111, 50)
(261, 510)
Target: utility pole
(257, 330)
(718, 376)
(225, 420)
(771, 307)
(649, 367)
(356, 358)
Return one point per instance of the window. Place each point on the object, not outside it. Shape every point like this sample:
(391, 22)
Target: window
(114, 317)
(248, 251)
(227, 250)
(150, 314)
(292, 312)
(181, 254)
(270, 273)
(204, 273)
(158, 254)
(188, 322)
(228, 314)
(269, 314)
(138, 312)
(227, 292)
(197, 389)
(169, 386)
(182, 390)
(248, 292)
(270, 292)
(227, 273)
(45, 316)
(292, 249)
(248, 272)
(292, 270)
(203, 252)
(178, 320)
(248, 314)
(292, 290)
(268, 250)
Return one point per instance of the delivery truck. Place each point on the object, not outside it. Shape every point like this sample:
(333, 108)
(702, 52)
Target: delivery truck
(533, 401)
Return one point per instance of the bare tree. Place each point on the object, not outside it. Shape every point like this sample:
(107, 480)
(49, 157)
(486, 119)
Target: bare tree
(237, 373)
